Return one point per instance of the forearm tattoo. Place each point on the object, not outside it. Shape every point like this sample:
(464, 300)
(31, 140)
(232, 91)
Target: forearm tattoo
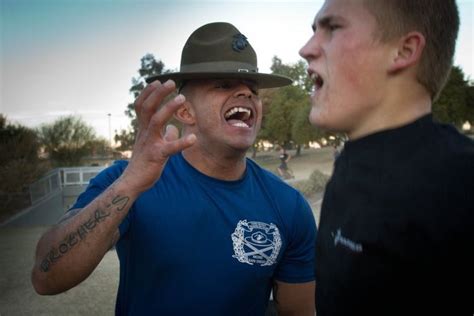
(118, 204)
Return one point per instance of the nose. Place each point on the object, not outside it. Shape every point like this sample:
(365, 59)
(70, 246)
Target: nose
(312, 49)
(243, 90)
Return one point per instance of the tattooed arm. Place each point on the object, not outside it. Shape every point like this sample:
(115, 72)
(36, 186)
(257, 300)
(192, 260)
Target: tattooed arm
(69, 252)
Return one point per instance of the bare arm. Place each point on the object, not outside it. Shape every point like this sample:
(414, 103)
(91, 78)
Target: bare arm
(69, 252)
(294, 299)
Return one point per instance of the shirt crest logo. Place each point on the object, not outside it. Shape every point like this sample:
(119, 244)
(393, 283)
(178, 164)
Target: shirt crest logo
(239, 43)
(256, 243)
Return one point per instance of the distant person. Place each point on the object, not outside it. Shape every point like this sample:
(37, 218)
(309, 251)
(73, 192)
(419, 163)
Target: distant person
(199, 229)
(283, 169)
(396, 233)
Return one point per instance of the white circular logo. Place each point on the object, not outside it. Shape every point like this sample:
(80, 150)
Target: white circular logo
(256, 243)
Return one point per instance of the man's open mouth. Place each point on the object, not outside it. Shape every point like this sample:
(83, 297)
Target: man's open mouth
(239, 116)
(317, 80)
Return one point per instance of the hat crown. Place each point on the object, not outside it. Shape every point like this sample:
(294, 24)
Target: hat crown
(219, 51)
(218, 42)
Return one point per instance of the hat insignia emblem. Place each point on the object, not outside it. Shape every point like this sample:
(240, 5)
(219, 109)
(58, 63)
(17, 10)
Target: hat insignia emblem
(239, 43)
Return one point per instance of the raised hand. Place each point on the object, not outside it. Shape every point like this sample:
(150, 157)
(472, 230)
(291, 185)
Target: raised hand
(154, 144)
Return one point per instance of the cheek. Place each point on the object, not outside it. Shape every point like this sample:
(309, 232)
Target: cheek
(349, 71)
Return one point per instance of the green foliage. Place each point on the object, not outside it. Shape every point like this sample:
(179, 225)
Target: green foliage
(149, 66)
(278, 120)
(296, 71)
(316, 183)
(452, 105)
(19, 164)
(67, 140)
(287, 109)
(470, 104)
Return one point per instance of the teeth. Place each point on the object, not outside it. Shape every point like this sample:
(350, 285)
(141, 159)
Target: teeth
(240, 124)
(318, 81)
(236, 110)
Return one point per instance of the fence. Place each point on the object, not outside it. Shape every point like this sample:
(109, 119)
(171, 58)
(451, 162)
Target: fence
(56, 179)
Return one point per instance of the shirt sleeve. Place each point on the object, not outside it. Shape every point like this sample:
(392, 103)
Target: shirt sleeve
(99, 184)
(297, 263)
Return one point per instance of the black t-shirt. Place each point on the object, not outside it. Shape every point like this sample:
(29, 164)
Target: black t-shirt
(396, 234)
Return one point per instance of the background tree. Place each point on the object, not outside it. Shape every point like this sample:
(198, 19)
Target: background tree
(452, 105)
(67, 140)
(19, 165)
(149, 66)
(286, 118)
(470, 104)
(279, 116)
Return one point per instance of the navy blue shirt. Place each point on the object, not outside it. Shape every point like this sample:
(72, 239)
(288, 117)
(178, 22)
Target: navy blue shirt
(195, 244)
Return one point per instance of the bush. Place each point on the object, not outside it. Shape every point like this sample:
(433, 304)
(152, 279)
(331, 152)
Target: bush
(316, 183)
(19, 165)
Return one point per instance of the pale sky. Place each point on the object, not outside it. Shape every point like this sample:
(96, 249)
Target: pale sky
(61, 57)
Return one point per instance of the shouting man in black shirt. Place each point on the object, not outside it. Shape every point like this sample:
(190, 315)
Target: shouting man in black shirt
(396, 231)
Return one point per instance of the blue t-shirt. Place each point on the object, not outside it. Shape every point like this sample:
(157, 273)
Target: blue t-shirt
(195, 244)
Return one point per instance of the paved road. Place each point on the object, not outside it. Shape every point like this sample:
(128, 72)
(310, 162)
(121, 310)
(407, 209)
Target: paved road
(95, 296)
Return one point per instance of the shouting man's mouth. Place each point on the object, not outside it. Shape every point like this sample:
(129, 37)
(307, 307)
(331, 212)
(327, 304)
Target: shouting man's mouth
(317, 80)
(239, 116)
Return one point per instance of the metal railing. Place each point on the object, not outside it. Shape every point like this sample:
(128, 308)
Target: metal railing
(56, 179)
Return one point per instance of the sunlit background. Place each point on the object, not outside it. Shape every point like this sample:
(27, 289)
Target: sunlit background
(78, 57)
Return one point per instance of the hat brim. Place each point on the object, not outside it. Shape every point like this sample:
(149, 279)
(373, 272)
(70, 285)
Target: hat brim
(264, 81)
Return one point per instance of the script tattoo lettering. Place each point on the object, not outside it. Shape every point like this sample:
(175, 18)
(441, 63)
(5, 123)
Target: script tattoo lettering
(118, 202)
(73, 238)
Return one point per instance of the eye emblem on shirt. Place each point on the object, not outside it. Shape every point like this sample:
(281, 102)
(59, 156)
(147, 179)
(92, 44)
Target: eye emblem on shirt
(256, 243)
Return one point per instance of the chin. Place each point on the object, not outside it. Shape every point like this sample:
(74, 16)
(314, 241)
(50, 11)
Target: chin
(316, 119)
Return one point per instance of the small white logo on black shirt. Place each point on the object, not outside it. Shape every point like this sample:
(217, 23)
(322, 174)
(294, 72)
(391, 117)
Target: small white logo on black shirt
(345, 242)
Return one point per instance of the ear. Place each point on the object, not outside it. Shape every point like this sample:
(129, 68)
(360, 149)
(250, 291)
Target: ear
(185, 114)
(408, 51)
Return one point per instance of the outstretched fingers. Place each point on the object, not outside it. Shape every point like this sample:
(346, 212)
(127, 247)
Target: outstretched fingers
(171, 148)
(160, 117)
(150, 100)
(174, 143)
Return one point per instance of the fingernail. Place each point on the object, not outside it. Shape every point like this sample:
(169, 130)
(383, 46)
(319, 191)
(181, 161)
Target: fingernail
(179, 98)
(191, 138)
(169, 83)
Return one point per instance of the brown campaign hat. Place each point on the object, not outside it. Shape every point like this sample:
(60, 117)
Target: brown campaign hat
(219, 51)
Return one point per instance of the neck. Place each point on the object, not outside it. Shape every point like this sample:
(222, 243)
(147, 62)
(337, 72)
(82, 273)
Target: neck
(223, 166)
(400, 107)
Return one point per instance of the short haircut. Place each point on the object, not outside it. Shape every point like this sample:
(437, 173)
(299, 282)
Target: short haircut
(437, 20)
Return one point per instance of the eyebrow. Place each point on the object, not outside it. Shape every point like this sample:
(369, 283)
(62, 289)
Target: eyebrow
(323, 22)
